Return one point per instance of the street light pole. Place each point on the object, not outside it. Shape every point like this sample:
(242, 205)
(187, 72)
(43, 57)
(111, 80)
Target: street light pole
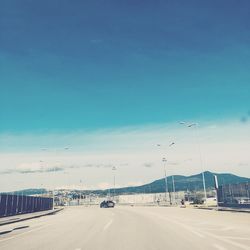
(114, 169)
(199, 150)
(53, 197)
(174, 202)
(173, 182)
(166, 181)
(201, 161)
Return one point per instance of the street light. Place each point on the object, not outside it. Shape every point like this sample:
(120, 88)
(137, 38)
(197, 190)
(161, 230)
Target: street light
(114, 169)
(166, 181)
(195, 125)
(173, 183)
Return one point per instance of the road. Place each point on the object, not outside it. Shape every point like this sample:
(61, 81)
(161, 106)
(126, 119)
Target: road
(130, 228)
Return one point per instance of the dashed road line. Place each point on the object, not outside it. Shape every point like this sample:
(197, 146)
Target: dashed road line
(108, 225)
(219, 247)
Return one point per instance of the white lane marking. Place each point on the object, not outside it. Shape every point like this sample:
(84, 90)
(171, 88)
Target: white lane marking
(235, 238)
(227, 228)
(221, 238)
(228, 241)
(30, 231)
(222, 229)
(108, 225)
(188, 228)
(219, 247)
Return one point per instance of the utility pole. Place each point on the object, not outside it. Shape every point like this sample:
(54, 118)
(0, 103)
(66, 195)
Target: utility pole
(199, 150)
(114, 169)
(173, 190)
(166, 181)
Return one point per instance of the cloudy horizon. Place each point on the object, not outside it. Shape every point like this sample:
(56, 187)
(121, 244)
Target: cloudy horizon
(85, 159)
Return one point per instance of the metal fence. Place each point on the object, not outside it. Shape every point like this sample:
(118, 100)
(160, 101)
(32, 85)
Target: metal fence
(234, 195)
(21, 204)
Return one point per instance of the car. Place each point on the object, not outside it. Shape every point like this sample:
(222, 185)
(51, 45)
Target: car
(107, 204)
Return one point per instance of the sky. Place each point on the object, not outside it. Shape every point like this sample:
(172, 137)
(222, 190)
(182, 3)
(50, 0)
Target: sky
(108, 80)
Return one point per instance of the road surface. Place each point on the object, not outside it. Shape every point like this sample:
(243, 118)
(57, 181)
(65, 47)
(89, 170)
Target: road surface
(130, 228)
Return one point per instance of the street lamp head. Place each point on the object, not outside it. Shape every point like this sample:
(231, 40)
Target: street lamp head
(192, 125)
(188, 125)
(172, 144)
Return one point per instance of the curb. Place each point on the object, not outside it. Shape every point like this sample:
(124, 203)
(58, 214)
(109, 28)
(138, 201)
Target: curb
(225, 209)
(31, 217)
(234, 210)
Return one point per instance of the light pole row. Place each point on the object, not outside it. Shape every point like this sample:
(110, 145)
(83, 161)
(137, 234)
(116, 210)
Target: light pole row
(171, 200)
(195, 125)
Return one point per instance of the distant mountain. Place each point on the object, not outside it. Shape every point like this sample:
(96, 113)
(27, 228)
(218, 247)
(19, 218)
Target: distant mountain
(182, 183)
(31, 191)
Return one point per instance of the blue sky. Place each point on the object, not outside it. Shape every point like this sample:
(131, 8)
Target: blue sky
(99, 64)
(111, 79)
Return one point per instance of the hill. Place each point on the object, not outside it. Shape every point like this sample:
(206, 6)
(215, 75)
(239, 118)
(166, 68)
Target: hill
(182, 183)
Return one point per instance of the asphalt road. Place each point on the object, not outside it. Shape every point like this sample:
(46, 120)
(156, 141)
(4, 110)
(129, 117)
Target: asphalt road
(130, 228)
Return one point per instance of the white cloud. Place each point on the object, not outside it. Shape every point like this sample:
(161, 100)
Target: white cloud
(224, 147)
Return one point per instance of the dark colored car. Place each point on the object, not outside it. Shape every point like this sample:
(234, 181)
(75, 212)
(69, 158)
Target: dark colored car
(107, 204)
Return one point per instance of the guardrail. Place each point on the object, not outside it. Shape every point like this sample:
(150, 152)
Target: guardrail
(20, 204)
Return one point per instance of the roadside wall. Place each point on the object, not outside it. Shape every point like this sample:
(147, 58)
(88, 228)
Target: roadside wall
(153, 198)
(21, 204)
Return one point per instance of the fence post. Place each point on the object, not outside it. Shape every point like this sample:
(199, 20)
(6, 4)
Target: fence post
(17, 203)
(6, 205)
